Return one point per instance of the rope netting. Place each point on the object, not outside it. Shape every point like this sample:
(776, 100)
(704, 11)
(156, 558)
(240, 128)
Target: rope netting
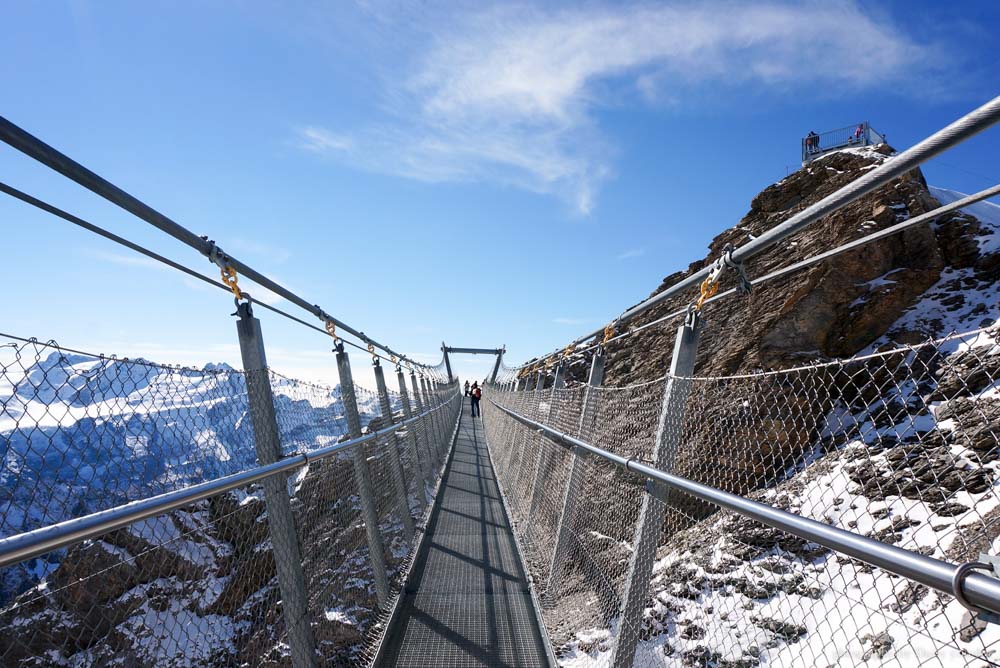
(901, 446)
(198, 586)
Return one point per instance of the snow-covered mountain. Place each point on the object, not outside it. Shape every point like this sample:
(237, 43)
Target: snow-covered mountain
(80, 434)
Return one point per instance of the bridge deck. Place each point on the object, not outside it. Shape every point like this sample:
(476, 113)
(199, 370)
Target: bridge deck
(468, 602)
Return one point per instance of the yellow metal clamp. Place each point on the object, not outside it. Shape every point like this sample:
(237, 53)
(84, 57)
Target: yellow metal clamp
(231, 279)
(331, 329)
(609, 333)
(708, 289)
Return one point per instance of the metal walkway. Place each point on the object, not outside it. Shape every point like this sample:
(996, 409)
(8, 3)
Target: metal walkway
(468, 601)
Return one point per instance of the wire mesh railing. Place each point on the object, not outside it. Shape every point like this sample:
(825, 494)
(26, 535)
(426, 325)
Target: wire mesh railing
(87, 437)
(900, 446)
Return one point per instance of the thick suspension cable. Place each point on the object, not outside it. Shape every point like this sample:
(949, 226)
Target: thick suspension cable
(37, 149)
(111, 236)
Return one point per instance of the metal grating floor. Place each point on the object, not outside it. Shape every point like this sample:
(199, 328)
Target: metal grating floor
(468, 602)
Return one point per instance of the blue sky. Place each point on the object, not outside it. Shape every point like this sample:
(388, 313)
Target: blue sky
(483, 174)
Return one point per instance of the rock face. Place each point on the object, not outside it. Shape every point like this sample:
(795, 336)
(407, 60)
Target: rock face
(833, 309)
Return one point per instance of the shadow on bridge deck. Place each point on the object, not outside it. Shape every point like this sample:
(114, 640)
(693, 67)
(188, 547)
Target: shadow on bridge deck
(468, 602)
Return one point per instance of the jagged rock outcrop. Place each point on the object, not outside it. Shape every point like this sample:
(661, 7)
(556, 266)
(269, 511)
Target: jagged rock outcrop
(834, 309)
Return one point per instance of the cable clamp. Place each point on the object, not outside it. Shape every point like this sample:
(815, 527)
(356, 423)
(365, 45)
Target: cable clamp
(609, 333)
(986, 563)
(691, 317)
(216, 255)
(743, 284)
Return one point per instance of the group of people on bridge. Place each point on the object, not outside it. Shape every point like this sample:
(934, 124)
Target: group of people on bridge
(475, 393)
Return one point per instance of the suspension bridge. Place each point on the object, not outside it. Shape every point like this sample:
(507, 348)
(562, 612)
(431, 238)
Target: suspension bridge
(834, 513)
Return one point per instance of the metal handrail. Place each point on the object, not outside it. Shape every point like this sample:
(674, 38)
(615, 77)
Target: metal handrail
(979, 590)
(20, 547)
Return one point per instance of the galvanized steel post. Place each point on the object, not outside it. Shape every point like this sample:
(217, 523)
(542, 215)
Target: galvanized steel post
(544, 456)
(496, 368)
(447, 360)
(431, 424)
(399, 478)
(411, 432)
(577, 474)
(650, 522)
(428, 437)
(359, 459)
(429, 399)
(281, 522)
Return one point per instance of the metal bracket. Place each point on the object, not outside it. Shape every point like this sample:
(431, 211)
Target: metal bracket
(986, 562)
(743, 285)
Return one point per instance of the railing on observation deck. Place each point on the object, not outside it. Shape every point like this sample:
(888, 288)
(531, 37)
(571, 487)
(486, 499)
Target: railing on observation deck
(860, 134)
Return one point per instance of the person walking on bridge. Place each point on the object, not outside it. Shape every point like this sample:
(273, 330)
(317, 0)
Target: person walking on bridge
(476, 393)
(466, 388)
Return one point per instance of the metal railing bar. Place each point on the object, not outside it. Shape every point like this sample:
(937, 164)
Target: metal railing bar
(39, 541)
(34, 147)
(953, 134)
(980, 590)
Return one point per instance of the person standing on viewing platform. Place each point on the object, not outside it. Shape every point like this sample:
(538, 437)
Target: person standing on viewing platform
(476, 393)
(812, 142)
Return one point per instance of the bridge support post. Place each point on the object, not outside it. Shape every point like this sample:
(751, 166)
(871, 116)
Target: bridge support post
(650, 523)
(412, 437)
(428, 437)
(439, 416)
(496, 367)
(281, 522)
(359, 459)
(447, 360)
(425, 384)
(399, 477)
(577, 474)
(544, 454)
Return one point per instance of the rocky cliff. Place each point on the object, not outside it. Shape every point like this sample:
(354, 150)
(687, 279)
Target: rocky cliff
(841, 306)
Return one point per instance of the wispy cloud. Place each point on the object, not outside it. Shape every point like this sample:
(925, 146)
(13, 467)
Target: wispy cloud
(320, 140)
(632, 252)
(510, 94)
(258, 251)
(571, 321)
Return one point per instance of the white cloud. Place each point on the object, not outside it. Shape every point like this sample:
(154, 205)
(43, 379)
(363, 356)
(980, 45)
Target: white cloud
(632, 252)
(320, 140)
(509, 94)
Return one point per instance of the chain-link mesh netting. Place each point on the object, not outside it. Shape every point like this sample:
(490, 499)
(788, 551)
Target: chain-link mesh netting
(198, 586)
(901, 446)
